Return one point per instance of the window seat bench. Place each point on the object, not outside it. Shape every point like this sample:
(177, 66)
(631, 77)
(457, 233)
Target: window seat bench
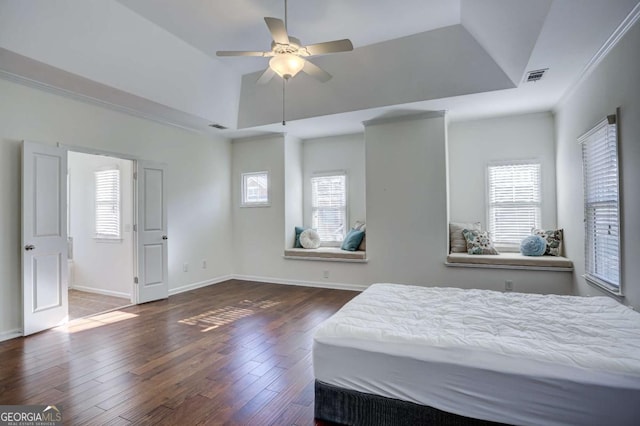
(330, 254)
(510, 261)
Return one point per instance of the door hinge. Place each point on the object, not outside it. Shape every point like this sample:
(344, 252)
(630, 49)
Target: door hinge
(135, 175)
(135, 228)
(135, 280)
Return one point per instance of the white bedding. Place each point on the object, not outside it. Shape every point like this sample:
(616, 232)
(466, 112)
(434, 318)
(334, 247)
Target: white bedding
(589, 348)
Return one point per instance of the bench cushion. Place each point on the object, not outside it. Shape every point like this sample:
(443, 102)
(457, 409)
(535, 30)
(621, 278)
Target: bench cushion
(510, 259)
(325, 253)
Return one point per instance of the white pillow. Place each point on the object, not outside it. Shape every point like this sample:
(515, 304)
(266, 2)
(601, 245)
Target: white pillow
(310, 239)
(361, 226)
(457, 242)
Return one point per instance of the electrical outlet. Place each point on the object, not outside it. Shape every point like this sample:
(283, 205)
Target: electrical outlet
(204, 264)
(325, 274)
(508, 285)
(185, 267)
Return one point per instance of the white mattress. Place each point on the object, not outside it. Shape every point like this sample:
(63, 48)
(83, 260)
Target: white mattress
(508, 357)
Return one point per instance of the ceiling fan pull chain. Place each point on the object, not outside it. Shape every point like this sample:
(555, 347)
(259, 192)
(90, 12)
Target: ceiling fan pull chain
(284, 123)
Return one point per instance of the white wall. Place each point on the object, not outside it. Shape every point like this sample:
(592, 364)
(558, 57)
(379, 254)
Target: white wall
(406, 199)
(407, 214)
(473, 144)
(258, 232)
(293, 188)
(344, 152)
(406, 211)
(614, 83)
(105, 267)
(199, 224)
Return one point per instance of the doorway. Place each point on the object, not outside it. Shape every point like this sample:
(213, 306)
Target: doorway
(45, 243)
(100, 219)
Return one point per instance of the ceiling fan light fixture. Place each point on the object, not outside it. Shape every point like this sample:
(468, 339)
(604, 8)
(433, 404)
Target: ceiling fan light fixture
(286, 65)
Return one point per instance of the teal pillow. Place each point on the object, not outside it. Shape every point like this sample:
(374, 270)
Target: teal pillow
(299, 231)
(352, 240)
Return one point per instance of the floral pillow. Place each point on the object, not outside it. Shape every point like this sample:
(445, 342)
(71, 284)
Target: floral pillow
(478, 242)
(553, 238)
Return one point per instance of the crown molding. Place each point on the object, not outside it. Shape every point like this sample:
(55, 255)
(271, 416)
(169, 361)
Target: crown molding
(608, 45)
(25, 81)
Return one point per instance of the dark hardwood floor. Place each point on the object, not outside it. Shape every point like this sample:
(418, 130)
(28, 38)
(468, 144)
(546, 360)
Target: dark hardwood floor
(82, 303)
(233, 353)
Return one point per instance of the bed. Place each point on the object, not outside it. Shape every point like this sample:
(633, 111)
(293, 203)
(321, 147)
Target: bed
(399, 354)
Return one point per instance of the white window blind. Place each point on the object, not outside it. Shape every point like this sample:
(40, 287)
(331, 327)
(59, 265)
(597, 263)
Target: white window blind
(108, 204)
(601, 204)
(329, 207)
(514, 201)
(255, 189)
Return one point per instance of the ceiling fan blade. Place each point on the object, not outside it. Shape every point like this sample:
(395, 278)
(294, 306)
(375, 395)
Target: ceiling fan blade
(316, 72)
(278, 30)
(239, 53)
(266, 76)
(335, 46)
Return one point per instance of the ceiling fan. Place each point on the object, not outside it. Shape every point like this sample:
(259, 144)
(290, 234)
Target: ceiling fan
(288, 55)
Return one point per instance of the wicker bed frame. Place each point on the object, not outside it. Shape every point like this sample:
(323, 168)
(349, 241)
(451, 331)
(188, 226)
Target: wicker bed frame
(346, 407)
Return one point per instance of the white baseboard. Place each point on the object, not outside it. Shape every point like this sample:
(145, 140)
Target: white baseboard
(100, 291)
(200, 284)
(11, 334)
(320, 284)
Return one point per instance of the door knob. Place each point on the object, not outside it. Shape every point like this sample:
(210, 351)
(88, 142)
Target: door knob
(164, 237)
(29, 247)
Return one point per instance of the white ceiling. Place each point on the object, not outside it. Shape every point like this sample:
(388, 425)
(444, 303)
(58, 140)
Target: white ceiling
(157, 57)
(239, 24)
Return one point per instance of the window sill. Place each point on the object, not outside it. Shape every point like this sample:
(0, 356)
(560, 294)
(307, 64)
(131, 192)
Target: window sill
(607, 288)
(108, 240)
(326, 254)
(510, 261)
(252, 205)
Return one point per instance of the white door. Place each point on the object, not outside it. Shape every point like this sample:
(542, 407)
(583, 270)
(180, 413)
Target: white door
(153, 274)
(44, 237)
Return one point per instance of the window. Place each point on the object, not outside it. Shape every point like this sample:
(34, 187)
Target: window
(329, 207)
(108, 204)
(602, 205)
(255, 189)
(514, 201)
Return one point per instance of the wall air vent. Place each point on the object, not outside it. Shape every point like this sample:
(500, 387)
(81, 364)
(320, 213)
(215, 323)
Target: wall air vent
(534, 75)
(218, 126)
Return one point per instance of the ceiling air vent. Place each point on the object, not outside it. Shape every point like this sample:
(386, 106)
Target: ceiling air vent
(535, 75)
(217, 126)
